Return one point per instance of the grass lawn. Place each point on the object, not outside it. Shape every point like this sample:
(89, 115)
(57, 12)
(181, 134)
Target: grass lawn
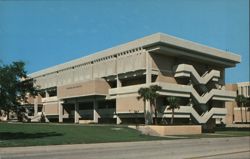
(28, 134)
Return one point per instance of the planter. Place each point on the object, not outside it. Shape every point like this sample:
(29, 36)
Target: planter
(158, 130)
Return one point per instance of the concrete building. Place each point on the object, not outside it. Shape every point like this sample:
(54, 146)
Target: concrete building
(233, 110)
(103, 87)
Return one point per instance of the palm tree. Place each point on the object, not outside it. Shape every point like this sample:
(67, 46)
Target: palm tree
(154, 95)
(145, 95)
(149, 94)
(173, 104)
(240, 100)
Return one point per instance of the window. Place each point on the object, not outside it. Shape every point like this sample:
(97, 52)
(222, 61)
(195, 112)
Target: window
(106, 104)
(86, 106)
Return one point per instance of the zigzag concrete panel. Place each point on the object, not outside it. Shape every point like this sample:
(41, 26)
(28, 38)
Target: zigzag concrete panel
(184, 70)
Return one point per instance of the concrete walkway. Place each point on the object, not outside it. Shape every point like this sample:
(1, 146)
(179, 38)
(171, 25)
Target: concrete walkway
(186, 148)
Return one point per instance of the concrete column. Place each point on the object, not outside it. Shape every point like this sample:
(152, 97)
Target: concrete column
(148, 69)
(118, 120)
(60, 111)
(118, 82)
(95, 111)
(35, 105)
(149, 112)
(46, 94)
(77, 115)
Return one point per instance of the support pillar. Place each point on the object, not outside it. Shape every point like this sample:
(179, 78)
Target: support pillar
(118, 82)
(148, 69)
(149, 112)
(77, 115)
(118, 120)
(60, 111)
(35, 105)
(46, 94)
(95, 111)
(118, 85)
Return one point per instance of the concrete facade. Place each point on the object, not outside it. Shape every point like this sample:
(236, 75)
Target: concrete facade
(103, 87)
(234, 115)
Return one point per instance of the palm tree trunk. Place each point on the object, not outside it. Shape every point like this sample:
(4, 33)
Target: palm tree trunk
(241, 114)
(172, 119)
(246, 114)
(155, 112)
(145, 120)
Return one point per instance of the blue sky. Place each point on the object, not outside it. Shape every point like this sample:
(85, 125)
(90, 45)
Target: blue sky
(45, 33)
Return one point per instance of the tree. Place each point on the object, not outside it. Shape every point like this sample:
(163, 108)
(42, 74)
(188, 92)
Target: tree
(145, 95)
(149, 94)
(173, 104)
(240, 100)
(154, 95)
(13, 87)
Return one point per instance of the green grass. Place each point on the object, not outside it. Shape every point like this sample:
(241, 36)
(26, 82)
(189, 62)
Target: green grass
(54, 134)
(28, 134)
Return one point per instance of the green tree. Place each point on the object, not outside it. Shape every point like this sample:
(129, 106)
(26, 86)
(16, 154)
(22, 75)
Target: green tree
(240, 100)
(144, 93)
(149, 94)
(154, 95)
(13, 87)
(173, 104)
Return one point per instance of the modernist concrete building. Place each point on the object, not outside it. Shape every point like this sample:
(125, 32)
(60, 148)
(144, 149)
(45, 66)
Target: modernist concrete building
(233, 111)
(103, 87)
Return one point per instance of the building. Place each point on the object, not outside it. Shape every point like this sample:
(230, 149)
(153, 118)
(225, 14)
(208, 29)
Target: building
(103, 87)
(233, 111)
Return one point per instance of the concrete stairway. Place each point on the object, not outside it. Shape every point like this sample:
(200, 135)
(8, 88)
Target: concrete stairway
(205, 116)
(37, 117)
(185, 70)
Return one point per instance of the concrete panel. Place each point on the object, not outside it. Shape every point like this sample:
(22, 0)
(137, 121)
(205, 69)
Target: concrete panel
(94, 87)
(165, 77)
(51, 108)
(231, 87)
(171, 130)
(229, 118)
(162, 63)
(237, 115)
(129, 104)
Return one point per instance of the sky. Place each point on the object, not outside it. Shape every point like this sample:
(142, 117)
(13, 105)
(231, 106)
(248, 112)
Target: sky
(44, 33)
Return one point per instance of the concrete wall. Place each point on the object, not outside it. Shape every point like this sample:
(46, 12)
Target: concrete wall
(129, 104)
(165, 77)
(51, 108)
(233, 111)
(237, 115)
(162, 62)
(84, 88)
(171, 130)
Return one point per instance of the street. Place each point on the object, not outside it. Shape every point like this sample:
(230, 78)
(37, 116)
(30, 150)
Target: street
(208, 148)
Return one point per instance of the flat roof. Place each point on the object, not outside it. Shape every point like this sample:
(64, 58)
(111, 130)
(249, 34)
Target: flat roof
(151, 40)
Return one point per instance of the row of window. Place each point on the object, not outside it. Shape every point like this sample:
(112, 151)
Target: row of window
(90, 105)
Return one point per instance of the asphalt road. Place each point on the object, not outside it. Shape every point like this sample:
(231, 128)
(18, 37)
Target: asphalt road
(210, 148)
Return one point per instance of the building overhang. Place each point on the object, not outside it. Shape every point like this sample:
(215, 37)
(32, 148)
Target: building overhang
(222, 59)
